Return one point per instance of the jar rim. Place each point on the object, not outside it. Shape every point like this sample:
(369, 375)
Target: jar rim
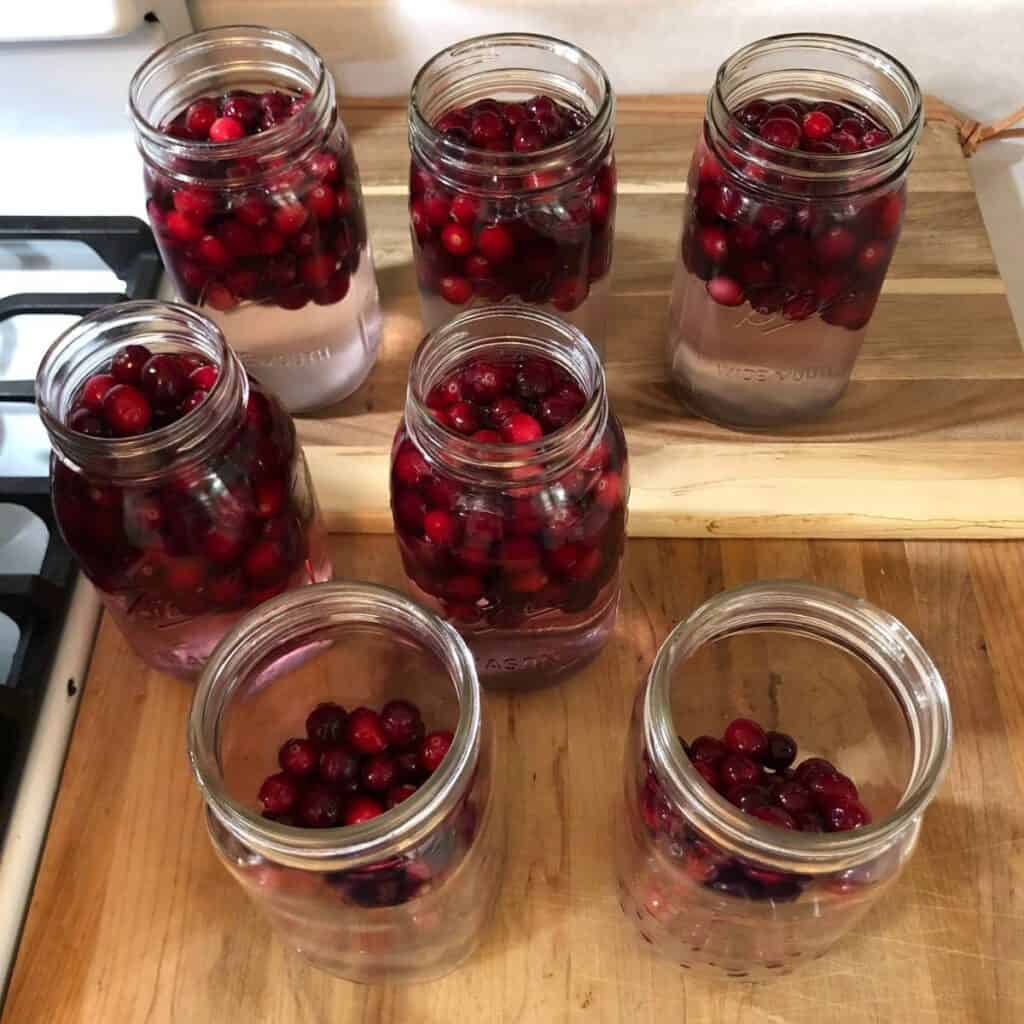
(289, 617)
(832, 165)
(137, 457)
(471, 161)
(454, 341)
(282, 137)
(829, 615)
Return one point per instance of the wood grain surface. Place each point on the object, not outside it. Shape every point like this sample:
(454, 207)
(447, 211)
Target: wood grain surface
(133, 920)
(927, 442)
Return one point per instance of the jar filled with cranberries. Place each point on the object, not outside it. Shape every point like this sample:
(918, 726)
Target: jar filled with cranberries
(512, 184)
(177, 481)
(509, 484)
(780, 758)
(795, 200)
(338, 737)
(253, 194)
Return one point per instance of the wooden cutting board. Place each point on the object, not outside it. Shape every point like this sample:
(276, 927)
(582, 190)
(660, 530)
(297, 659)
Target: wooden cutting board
(927, 442)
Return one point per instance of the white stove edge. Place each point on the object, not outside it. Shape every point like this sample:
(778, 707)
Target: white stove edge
(30, 817)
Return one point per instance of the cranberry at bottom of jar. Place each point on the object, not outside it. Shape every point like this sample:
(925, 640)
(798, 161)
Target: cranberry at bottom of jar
(753, 769)
(212, 538)
(784, 257)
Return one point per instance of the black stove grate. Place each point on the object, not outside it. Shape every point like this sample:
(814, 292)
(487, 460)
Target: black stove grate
(38, 604)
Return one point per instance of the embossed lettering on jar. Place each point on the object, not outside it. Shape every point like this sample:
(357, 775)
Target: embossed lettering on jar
(253, 194)
(509, 487)
(177, 481)
(512, 182)
(796, 196)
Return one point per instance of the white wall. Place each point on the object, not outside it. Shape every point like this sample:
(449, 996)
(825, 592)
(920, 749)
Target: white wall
(968, 52)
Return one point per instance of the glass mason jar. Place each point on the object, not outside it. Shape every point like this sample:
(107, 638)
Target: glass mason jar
(784, 250)
(183, 528)
(713, 887)
(403, 896)
(519, 545)
(496, 224)
(265, 233)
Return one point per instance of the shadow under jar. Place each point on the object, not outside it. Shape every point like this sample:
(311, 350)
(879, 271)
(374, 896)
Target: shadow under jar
(795, 200)
(184, 505)
(394, 895)
(253, 194)
(509, 490)
(743, 852)
(512, 183)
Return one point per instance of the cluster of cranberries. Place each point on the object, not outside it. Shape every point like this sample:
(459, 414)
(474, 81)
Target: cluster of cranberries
(753, 769)
(228, 534)
(502, 555)
(786, 257)
(287, 234)
(351, 767)
(545, 249)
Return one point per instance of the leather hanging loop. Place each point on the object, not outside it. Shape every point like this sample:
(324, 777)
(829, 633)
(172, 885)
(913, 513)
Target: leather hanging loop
(973, 133)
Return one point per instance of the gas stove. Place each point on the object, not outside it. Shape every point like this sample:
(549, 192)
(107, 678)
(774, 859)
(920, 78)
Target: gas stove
(53, 270)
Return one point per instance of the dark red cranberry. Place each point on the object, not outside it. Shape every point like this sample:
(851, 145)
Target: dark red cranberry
(810, 821)
(408, 762)
(433, 749)
(774, 816)
(401, 722)
(846, 814)
(325, 723)
(298, 757)
(793, 797)
(199, 118)
(364, 732)
(707, 748)
(810, 767)
(319, 807)
(827, 787)
(495, 242)
(359, 809)
(126, 366)
(780, 131)
(164, 380)
(748, 797)
(780, 752)
(463, 418)
(83, 421)
(708, 772)
(378, 773)
(455, 289)
(339, 767)
(95, 390)
(744, 736)
(398, 794)
(736, 769)
(278, 793)
(126, 410)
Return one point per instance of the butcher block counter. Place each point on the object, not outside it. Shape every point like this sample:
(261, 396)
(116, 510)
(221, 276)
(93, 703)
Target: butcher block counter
(133, 919)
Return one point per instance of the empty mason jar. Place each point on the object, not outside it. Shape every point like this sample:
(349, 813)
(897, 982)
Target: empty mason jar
(749, 864)
(399, 895)
(253, 194)
(795, 200)
(512, 184)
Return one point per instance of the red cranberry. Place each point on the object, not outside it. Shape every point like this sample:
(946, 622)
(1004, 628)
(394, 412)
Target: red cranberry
(817, 125)
(378, 773)
(359, 809)
(463, 418)
(465, 209)
(290, 218)
(743, 736)
(780, 131)
(226, 129)
(83, 421)
(793, 797)
(457, 240)
(875, 137)
(736, 769)
(774, 816)
(440, 526)
(410, 510)
(339, 767)
(410, 467)
(325, 723)
(319, 807)
(828, 787)
(812, 766)
(126, 410)
(298, 757)
(433, 749)
(521, 428)
(496, 243)
(455, 289)
(364, 732)
(199, 118)
(401, 722)
(164, 380)
(725, 291)
(483, 381)
(265, 561)
(398, 794)
(708, 772)
(278, 794)
(835, 245)
(126, 366)
(707, 748)
(95, 390)
(748, 797)
(846, 814)
(873, 257)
